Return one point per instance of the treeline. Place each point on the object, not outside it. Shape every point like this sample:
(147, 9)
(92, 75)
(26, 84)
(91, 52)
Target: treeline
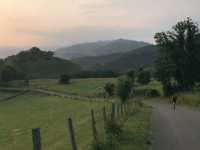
(96, 74)
(178, 64)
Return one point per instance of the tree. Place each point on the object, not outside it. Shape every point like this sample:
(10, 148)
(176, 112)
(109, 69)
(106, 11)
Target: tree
(64, 79)
(164, 70)
(131, 76)
(144, 77)
(8, 73)
(109, 88)
(180, 49)
(124, 88)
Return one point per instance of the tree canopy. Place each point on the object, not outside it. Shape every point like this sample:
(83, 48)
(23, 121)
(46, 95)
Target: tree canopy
(179, 55)
(124, 88)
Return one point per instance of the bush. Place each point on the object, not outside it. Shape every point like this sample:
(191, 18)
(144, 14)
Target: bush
(113, 128)
(96, 74)
(124, 88)
(109, 89)
(64, 79)
(131, 75)
(144, 77)
(147, 92)
(152, 93)
(98, 146)
(8, 73)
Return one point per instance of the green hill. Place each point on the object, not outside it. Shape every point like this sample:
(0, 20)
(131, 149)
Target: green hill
(141, 57)
(40, 64)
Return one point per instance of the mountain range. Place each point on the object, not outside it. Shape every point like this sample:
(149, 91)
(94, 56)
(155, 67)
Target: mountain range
(134, 59)
(99, 48)
(117, 55)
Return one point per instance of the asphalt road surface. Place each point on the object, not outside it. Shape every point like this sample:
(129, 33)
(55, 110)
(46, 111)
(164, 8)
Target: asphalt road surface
(175, 130)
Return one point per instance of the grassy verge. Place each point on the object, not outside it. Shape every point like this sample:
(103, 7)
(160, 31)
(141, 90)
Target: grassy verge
(191, 99)
(136, 135)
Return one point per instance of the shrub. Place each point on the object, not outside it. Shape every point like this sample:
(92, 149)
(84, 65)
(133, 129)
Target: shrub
(64, 79)
(147, 92)
(113, 128)
(144, 77)
(8, 73)
(98, 146)
(131, 76)
(109, 89)
(152, 93)
(124, 88)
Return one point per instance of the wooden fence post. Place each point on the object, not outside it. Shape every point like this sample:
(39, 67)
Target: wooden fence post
(113, 112)
(104, 116)
(36, 139)
(118, 110)
(94, 129)
(121, 109)
(72, 135)
(125, 109)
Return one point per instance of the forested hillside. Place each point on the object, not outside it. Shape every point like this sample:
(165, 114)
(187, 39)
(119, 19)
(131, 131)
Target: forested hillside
(141, 57)
(35, 63)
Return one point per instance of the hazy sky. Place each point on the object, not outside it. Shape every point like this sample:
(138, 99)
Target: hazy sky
(55, 23)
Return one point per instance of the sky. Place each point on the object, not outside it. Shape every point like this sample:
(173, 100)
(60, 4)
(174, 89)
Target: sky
(58, 23)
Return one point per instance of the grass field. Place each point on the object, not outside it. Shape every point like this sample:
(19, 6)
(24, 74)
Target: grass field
(20, 115)
(4, 94)
(83, 87)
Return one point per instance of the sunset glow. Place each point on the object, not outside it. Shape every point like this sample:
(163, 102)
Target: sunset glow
(64, 22)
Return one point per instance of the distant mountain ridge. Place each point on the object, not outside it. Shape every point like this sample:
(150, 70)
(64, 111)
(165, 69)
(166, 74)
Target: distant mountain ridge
(98, 48)
(141, 57)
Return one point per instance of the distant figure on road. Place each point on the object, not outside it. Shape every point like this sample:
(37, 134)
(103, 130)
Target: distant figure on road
(174, 101)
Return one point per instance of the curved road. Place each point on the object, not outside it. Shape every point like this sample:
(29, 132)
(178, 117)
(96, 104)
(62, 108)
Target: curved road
(179, 130)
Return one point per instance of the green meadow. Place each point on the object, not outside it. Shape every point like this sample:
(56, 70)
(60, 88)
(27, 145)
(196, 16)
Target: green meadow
(20, 115)
(50, 113)
(82, 87)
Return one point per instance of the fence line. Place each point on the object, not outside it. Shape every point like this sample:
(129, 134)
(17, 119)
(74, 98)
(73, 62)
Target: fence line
(117, 111)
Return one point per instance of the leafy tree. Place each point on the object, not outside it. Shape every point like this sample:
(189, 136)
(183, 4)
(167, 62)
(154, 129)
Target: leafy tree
(131, 76)
(179, 55)
(144, 77)
(8, 73)
(164, 70)
(64, 79)
(109, 88)
(124, 88)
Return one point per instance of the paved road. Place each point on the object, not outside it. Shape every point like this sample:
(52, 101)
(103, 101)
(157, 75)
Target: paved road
(179, 130)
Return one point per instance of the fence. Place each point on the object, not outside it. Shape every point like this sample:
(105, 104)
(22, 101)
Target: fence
(118, 111)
